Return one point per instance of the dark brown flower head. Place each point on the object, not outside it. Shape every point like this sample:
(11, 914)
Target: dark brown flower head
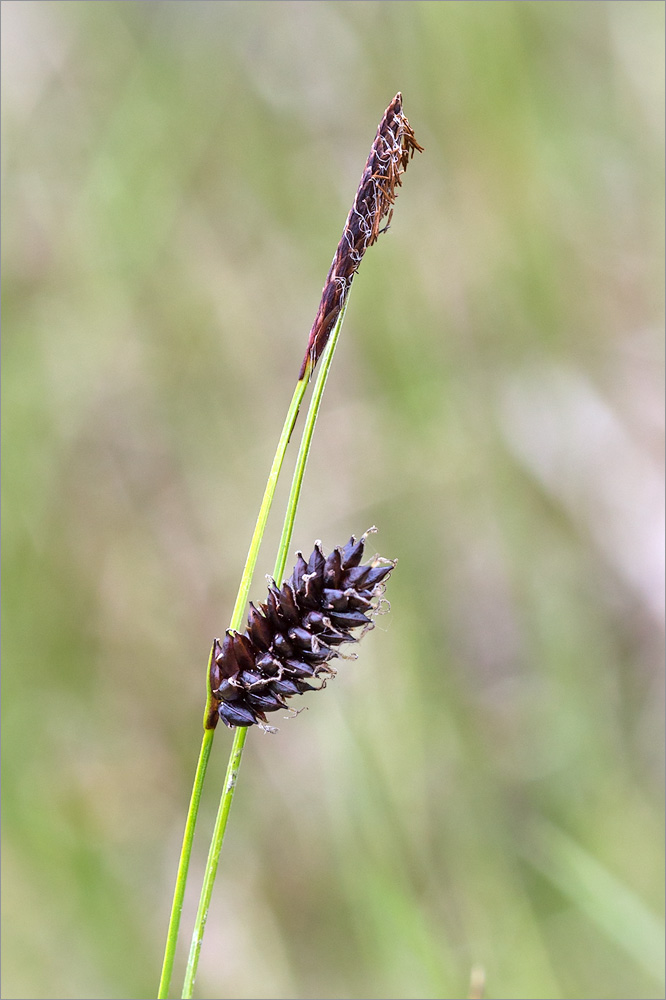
(391, 151)
(291, 639)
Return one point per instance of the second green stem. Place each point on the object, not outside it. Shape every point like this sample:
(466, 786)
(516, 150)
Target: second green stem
(239, 738)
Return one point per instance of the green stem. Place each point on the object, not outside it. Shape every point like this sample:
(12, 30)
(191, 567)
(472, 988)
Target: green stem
(236, 621)
(251, 562)
(239, 739)
(183, 864)
(304, 450)
(214, 858)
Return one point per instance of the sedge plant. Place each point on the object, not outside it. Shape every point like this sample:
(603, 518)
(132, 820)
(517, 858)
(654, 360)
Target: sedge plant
(290, 639)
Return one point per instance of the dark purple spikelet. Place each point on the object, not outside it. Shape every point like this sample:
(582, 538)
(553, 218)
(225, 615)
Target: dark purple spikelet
(291, 639)
(394, 145)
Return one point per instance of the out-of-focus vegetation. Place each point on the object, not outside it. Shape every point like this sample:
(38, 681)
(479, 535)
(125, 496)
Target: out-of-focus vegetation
(484, 786)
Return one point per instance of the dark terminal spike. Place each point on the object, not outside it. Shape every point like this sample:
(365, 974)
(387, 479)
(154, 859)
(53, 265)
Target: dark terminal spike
(394, 146)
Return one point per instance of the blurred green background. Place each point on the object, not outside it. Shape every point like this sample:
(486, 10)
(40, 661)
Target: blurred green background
(482, 790)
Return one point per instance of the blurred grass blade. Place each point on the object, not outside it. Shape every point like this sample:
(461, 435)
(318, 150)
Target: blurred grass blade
(604, 899)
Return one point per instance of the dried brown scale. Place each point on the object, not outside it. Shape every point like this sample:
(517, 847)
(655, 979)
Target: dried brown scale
(391, 151)
(292, 637)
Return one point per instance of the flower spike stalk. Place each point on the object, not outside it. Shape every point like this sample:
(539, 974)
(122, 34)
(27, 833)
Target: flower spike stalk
(330, 597)
(235, 756)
